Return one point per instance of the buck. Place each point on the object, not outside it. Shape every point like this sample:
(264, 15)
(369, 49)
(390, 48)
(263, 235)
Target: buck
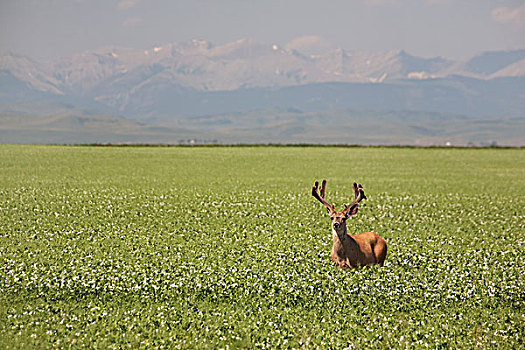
(350, 251)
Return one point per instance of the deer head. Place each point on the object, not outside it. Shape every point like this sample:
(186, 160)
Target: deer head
(339, 217)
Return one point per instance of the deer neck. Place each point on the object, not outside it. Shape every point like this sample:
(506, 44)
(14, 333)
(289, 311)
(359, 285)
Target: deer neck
(343, 244)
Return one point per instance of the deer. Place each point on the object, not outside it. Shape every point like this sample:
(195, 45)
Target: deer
(351, 251)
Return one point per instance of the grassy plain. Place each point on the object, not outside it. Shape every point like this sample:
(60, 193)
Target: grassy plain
(219, 247)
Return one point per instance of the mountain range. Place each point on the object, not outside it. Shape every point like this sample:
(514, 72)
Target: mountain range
(163, 94)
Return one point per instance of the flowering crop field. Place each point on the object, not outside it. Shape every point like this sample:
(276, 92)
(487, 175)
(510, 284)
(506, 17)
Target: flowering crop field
(224, 247)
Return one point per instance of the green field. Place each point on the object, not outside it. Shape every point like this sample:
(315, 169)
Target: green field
(216, 247)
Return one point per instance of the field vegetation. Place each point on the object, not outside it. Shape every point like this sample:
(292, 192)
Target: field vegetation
(224, 247)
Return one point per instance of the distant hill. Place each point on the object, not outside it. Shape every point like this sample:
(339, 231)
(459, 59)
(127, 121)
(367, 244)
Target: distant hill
(172, 87)
(78, 129)
(489, 63)
(270, 126)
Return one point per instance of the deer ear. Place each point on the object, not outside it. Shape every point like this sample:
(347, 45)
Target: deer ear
(329, 212)
(352, 210)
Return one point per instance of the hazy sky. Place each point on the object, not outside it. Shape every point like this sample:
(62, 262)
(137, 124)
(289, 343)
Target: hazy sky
(45, 29)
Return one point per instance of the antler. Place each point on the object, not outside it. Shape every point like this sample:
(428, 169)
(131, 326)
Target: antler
(359, 193)
(320, 197)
